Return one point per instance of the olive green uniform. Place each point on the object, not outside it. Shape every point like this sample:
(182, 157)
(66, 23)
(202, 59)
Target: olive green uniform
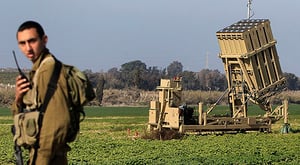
(53, 147)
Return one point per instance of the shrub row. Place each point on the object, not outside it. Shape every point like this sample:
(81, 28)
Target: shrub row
(136, 97)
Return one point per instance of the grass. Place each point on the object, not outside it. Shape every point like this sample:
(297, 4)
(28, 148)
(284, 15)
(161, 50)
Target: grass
(116, 111)
(107, 136)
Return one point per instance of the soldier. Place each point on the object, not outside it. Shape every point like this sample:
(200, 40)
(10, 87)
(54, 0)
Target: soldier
(51, 147)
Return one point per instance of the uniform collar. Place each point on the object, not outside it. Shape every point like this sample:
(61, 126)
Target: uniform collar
(37, 63)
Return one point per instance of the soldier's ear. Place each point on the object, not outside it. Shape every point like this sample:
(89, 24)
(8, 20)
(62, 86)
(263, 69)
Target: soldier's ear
(45, 39)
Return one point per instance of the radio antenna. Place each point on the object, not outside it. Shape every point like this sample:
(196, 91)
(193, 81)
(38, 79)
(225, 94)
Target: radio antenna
(250, 13)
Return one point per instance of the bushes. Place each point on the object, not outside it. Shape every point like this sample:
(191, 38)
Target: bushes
(292, 96)
(137, 97)
(7, 95)
(207, 97)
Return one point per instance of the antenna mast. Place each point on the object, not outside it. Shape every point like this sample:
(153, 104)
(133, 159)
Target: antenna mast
(249, 15)
(206, 61)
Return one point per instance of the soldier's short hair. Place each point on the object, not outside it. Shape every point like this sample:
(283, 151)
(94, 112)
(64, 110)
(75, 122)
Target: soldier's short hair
(32, 24)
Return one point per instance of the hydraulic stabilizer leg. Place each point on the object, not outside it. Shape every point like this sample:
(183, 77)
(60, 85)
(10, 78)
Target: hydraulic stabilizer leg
(286, 126)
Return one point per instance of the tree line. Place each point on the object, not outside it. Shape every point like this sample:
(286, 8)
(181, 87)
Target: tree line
(136, 74)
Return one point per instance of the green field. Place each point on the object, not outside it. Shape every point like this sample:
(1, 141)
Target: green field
(105, 139)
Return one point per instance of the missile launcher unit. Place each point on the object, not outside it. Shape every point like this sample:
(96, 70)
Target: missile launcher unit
(253, 72)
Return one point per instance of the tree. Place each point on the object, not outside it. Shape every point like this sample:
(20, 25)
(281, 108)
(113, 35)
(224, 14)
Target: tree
(174, 69)
(292, 81)
(132, 73)
(152, 78)
(189, 80)
(212, 80)
(91, 76)
(100, 88)
(113, 79)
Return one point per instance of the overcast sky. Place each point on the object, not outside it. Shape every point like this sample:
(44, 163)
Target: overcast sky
(102, 34)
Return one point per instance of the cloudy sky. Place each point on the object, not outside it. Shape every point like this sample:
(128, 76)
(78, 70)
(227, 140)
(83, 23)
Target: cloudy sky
(102, 34)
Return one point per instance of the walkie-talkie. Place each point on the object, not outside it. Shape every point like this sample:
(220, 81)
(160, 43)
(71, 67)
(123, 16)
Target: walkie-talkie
(19, 69)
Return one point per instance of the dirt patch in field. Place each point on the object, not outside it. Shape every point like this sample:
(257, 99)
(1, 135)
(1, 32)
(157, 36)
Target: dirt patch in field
(164, 134)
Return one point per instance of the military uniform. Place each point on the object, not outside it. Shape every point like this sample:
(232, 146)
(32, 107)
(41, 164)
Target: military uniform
(53, 147)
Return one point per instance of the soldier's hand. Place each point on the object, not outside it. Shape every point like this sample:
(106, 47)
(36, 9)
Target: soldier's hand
(22, 86)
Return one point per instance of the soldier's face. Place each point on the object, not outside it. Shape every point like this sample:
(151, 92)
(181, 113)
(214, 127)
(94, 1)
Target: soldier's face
(30, 44)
